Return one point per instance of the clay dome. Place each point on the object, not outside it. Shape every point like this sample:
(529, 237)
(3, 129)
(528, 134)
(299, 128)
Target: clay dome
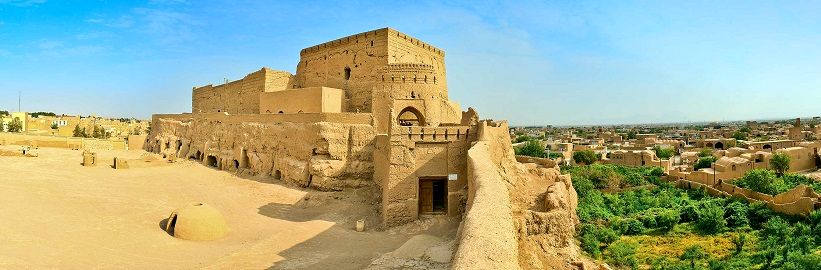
(197, 221)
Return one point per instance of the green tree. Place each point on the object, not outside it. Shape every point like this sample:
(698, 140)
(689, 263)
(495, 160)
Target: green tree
(706, 152)
(694, 253)
(737, 215)
(522, 138)
(711, 218)
(667, 219)
(54, 126)
(585, 157)
(663, 152)
(531, 148)
(77, 131)
(704, 162)
(95, 133)
(760, 180)
(15, 125)
(741, 136)
(780, 163)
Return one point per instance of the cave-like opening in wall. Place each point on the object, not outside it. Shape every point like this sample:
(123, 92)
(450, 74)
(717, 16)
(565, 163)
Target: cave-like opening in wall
(211, 161)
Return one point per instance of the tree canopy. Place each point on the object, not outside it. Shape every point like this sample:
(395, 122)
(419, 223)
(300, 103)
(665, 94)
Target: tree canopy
(780, 163)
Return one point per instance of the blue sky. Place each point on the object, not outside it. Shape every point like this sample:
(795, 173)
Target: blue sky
(531, 62)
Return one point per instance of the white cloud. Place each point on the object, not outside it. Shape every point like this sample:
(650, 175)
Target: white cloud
(165, 26)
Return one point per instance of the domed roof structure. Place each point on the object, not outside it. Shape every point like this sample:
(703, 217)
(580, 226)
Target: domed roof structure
(197, 221)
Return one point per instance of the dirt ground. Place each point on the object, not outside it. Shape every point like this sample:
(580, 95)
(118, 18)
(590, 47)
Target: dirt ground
(55, 213)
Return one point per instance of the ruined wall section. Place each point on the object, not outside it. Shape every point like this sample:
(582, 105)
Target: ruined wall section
(540, 202)
(240, 96)
(321, 155)
(487, 235)
(360, 56)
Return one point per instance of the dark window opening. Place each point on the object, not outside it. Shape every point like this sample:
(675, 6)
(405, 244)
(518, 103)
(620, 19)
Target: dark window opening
(719, 145)
(236, 164)
(277, 174)
(433, 196)
(347, 73)
(211, 161)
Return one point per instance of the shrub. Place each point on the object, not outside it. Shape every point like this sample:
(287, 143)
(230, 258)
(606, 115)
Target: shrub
(761, 180)
(623, 254)
(585, 157)
(663, 152)
(706, 152)
(741, 136)
(758, 213)
(630, 226)
(704, 162)
(590, 244)
(736, 214)
(667, 219)
(583, 185)
(531, 148)
(16, 125)
(711, 219)
(693, 253)
(522, 138)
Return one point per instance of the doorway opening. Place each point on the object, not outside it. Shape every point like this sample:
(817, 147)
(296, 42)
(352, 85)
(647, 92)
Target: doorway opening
(433, 195)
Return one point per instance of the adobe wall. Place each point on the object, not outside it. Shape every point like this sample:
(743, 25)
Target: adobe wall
(800, 201)
(539, 201)
(362, 56)
(318, 154)
(61, 142)
(303, 100)
(801, 158)
(487, 238)
(240, 96)
(136, 142)
(418, 152)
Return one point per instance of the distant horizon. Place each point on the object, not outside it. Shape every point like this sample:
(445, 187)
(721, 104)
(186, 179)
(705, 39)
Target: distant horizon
(531, 63)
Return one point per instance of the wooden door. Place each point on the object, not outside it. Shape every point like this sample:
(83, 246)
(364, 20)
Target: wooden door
(425, 196)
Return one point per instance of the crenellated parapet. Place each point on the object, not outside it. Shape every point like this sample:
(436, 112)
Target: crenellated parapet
(367, 37)
(408, 73)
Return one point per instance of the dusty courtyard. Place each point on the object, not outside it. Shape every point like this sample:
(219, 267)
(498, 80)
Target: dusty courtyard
(55, 213)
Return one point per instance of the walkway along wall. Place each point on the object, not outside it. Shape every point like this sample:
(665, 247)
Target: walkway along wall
(518, 216)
